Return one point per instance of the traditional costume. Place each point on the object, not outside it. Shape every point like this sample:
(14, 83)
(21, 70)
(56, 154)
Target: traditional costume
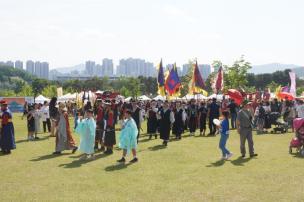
(202, 118)
(99, 128)
(166, 119)
(178, 125)
(136, 117)
(86, 129)
(7, 135)
(109, 137)
(152, 122)
(64, 139)
(193, 118)
(128, 135)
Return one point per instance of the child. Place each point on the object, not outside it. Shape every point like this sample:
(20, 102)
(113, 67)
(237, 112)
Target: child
(128, 138)
(86, 129)
(224, 131)
(30, 124)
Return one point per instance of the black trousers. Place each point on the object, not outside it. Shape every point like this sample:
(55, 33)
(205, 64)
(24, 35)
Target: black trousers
(212, 126)
(48, 124)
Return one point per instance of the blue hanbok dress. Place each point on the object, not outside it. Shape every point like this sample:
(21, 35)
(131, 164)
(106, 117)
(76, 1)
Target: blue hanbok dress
(128, 135)
(86, 129)
(7, 134)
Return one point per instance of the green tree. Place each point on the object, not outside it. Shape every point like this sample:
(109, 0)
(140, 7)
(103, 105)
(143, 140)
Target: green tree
(236, 74)
(7, 93)
(50, 91)
(272, 86)
(26, 91)
(38, 85)
(125, 92)
(300, 91)
(134, 87)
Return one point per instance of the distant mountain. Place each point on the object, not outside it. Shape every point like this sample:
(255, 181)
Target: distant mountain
(67, 70)
(272, 67)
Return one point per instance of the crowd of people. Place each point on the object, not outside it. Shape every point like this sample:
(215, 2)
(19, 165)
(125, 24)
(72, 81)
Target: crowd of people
(97, 123)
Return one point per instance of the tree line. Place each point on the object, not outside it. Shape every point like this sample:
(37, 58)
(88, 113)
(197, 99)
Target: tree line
(16, 82)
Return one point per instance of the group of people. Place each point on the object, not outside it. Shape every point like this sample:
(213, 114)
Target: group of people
(96, 123)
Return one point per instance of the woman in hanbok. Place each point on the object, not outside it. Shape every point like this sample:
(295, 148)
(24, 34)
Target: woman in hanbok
(86, 129)
(7, 134)
(128, 137)
(64, 139)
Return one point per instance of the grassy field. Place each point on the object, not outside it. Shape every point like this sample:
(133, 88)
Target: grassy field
(187, 170)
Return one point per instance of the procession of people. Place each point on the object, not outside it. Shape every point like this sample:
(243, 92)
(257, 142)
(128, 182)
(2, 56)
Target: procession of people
(97, 124)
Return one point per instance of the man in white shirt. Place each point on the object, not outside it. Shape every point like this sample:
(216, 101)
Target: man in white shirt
(46, 117)
(300, 109)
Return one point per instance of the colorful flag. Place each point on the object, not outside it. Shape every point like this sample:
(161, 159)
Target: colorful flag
(218, 82)
(161, 79)
(197, 84)
(277, 91)
(172, 83)
(292, 89)
(285, 89)
(59, 92)
(178, 90)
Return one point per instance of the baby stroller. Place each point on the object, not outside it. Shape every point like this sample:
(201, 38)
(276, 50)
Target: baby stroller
(281, 127)
(298, 141)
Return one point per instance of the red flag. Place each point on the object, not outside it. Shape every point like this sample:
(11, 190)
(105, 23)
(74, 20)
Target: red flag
(197, 84)
(218, 82)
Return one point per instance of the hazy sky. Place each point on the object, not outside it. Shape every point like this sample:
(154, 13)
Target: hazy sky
(68, 32)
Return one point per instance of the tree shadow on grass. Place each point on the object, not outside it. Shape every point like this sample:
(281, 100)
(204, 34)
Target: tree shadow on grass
(240, 161)
(80, 162)
(157, 147)
(217, 163)
(118, 166)
(49, 156)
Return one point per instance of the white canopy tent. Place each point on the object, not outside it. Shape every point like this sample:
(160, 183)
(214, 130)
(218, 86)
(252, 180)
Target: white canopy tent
(67, 97)
(144, 98)
(217, 96)
(41, 99)
(159, 97)
(128, 99)
(99, 92)
(197, 96)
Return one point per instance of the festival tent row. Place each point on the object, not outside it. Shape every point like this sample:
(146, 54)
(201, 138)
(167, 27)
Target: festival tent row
(41, 99)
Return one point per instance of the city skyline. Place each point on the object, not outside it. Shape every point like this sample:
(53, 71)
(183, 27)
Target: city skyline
(68, 32)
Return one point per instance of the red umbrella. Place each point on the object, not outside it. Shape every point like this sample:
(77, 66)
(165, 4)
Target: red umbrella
(236, 95)
(286, 96)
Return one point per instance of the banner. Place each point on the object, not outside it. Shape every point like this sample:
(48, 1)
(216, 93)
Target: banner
(292, 90)
(16, 104)
(59, 92)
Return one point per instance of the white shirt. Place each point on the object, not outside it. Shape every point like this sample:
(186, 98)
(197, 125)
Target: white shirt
(45, 113)
(300, 111)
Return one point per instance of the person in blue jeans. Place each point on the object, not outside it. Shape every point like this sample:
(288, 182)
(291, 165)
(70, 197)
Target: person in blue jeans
(224, 131)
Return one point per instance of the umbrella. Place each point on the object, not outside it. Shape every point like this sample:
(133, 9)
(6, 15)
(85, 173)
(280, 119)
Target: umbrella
(286, 96)
(236, 95)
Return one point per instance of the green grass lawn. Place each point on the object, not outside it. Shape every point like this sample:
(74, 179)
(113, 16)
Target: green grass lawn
(187, 170)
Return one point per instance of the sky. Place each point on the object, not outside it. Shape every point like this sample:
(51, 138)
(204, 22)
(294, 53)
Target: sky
(69, 32)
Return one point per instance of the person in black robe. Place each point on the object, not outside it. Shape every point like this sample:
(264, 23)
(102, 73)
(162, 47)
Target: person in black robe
(136, 113)
(202, 118)
(166, 117)
(193, 115)
(180, 117)
(214, 113)
(152, 120)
